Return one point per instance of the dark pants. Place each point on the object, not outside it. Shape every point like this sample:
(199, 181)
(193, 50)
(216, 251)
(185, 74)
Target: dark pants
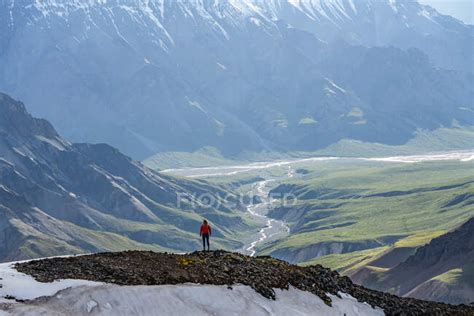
(205, 238)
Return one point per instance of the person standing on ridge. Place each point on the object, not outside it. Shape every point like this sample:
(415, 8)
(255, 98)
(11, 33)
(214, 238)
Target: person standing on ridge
(205, 232)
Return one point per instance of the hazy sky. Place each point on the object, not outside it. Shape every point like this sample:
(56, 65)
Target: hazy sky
(460, 9)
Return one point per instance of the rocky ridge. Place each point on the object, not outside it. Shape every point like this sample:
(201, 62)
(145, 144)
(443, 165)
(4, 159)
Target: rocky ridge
(263, 274)
(421, 274)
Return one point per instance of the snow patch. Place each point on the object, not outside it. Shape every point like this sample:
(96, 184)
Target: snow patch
(428, 13)
(7, 162)
(335, 86)
(221, 66)
(192, 299)
(330, 10)
(353, 7)
(196, 105)
(256, 21)
(463, 108)
(53, 142)
(25, 287)
(393, 5)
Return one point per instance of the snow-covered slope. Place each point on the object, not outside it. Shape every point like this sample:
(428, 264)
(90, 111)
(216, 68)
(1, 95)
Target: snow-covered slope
(78, 297)
(188, 300)
(373, 22)
(24, 287)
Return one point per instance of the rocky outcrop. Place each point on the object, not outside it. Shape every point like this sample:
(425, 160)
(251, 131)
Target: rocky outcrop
(437, 290)
(425, 274)
(16, 121)
(263, 274)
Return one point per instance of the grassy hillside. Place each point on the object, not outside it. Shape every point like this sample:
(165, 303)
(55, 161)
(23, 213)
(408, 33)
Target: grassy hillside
(442, 139)
(204, 157)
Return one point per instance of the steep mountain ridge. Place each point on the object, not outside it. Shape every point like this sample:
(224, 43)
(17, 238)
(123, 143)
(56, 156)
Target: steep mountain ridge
(64, 198)
(236, 75)
(442, 270)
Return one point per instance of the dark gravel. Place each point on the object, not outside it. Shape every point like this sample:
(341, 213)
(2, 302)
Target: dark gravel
(263, 274)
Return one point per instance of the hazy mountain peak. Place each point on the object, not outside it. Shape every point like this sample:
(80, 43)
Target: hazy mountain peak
(15, 119)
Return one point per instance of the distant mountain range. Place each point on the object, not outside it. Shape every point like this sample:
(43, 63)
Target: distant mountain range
(150, 76)
(442, 270)
(60, 198)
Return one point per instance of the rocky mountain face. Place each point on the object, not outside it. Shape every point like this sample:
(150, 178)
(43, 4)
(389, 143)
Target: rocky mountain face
(263, 274)
(442, 270)
(237, 75)
(374, 23)
(58, 198)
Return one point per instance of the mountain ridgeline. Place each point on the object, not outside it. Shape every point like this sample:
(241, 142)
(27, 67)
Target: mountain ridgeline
(60, 198)
(442, 270)
(238, 75)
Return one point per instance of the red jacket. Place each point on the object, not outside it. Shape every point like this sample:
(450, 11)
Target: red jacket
(205, 229)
